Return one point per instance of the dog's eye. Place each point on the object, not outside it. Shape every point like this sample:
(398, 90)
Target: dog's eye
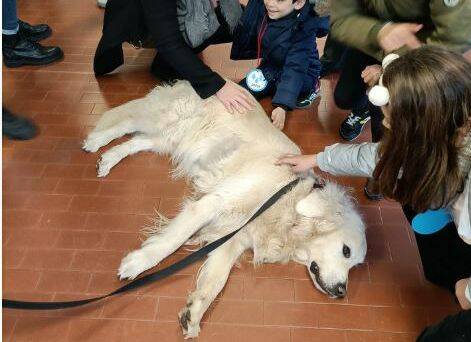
(346, 251)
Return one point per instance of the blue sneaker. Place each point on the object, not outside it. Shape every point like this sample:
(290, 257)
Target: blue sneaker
(306, 102)
(353, 125)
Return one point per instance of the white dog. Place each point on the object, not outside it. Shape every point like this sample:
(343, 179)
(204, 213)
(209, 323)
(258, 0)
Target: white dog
(230, 160)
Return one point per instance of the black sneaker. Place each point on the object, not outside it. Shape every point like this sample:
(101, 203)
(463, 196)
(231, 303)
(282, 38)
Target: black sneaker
(34, 33)
(306, 102)
(353, 125)
(22, 51)
(15, 127)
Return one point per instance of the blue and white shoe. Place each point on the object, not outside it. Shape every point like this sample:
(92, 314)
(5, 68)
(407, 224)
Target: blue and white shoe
(353, 125)
(306, 102)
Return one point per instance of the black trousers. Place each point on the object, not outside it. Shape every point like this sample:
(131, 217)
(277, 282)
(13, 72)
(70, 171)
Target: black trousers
(350, 91)
(445, 257)
(454, 328)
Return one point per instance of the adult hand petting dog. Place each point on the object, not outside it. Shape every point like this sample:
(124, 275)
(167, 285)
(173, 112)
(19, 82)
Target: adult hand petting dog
(298, 163)
(235, 98)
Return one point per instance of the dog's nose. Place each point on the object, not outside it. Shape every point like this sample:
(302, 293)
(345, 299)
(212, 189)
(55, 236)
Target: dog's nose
(314, 268)
(340, 290)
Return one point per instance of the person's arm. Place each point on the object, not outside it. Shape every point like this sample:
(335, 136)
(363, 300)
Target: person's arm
(451, 26)
(349, 159)
(338, 160)
(351, 26)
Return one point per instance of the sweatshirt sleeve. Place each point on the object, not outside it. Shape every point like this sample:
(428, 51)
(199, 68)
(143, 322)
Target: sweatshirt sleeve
(349, 159)
(161, 19)
(352, 27)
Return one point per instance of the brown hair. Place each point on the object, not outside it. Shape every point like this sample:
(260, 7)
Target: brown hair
(428, 111)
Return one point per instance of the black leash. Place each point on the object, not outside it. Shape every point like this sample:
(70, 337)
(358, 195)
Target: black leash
(163, 273)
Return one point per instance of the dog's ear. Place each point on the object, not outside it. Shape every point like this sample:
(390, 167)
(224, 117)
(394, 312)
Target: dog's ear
(311, 206)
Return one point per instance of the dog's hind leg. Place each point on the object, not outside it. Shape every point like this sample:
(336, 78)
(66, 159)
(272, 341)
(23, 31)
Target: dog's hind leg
(211, 280)
(192, 218)
(114, 155)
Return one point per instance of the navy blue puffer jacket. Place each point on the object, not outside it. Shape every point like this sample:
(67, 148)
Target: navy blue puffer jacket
(289, 51)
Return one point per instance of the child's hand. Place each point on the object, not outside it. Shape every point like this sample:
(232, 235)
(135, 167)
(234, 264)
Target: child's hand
(371, 74)
(278, 117)
(460, 289)
(298, 163)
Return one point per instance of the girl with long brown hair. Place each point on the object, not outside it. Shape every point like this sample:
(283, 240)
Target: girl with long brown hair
(423, 160)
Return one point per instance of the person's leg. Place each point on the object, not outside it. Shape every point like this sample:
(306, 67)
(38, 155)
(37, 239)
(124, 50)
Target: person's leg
(454, 328)
(17, 37)
(445, 257)
(350, 93)
(332, 57)
(350, 88)
(9, 17)
(16, 127)
(376, 122)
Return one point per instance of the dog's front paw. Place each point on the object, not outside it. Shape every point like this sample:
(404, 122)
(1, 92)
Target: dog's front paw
(91, 144)
(104, 166)
(134, 264)
(190, 328)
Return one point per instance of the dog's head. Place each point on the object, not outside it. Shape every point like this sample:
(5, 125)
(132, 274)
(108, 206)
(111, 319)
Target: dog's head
(334, 240)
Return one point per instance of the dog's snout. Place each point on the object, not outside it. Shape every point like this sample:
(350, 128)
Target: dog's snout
(340, 290)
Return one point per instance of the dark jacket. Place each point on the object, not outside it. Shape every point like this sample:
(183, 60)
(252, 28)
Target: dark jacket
(128, 20)
(289, 51)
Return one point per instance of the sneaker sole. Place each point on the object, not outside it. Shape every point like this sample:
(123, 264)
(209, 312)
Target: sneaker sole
(359, 133)
(21, 62)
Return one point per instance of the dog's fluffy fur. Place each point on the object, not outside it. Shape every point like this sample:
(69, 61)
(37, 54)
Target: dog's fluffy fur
(230, 161)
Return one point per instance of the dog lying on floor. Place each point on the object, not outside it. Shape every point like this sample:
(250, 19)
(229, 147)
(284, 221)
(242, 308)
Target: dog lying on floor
(230, 161)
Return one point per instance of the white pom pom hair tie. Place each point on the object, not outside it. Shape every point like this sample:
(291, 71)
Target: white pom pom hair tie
(379, 94)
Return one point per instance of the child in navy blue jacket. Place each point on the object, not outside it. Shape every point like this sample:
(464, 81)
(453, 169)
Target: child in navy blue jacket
(282, 34)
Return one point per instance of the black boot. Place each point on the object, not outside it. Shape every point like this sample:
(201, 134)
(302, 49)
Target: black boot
(18, 51)
(15, 127)
(34, 33)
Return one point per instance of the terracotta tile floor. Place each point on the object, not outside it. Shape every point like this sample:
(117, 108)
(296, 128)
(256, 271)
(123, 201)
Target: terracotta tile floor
(65, 231)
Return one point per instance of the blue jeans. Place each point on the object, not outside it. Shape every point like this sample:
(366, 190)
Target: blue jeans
(9, 17)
